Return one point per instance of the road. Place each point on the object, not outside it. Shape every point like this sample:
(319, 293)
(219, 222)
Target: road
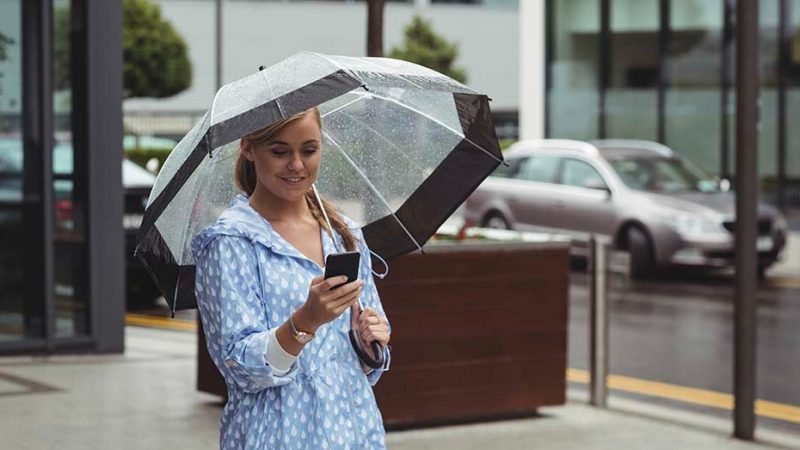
(678, 329)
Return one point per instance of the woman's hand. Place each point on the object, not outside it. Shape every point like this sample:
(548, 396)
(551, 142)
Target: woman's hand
(371, 327)
(326, 302)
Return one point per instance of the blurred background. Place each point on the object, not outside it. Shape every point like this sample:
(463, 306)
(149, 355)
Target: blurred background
(617, 119)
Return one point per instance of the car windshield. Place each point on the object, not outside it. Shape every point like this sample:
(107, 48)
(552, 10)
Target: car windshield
(665, 175)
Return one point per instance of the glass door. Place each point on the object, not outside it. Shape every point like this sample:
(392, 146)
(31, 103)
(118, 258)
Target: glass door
(21, 305)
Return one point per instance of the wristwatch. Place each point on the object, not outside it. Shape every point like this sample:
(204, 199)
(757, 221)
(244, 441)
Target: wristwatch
(302, 337)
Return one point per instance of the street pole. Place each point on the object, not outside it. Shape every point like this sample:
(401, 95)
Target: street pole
(218, 19)
(598, 328)
(747, 107)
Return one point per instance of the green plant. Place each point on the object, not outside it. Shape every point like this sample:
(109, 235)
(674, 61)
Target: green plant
(5, 41)
(505, 143)
(141, 155)
(425, 47)
(155, 58)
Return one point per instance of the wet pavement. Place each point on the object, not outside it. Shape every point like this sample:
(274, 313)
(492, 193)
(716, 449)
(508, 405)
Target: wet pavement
(678, 329)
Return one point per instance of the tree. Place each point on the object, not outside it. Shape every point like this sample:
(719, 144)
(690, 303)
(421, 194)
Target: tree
(375, 27)
(5, 41)
(155, 60)
(425, 47)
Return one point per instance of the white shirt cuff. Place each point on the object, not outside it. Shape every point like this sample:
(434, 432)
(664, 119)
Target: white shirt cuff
(279, 359)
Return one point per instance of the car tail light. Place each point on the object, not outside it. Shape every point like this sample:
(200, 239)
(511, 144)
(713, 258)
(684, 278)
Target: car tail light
(64, 213)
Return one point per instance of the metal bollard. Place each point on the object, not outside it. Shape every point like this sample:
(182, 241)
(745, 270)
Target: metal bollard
(598, 327)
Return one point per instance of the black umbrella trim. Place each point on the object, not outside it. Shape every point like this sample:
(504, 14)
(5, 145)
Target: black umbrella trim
(166, 272)
(314, 94)
(151, 249)
(450, 184)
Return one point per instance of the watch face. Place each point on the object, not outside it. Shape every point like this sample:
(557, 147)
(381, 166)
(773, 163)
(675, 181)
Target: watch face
(303, 337)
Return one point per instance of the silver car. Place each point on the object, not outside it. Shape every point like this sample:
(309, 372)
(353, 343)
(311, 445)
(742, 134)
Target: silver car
(639, 194)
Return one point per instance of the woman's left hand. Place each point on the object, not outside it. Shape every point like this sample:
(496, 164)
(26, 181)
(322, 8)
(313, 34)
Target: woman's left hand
(371, 327)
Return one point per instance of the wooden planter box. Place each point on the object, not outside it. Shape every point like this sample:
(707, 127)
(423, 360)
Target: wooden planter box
(479, 331)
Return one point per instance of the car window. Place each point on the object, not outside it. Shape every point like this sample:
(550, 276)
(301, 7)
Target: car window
(539, 168)
(508, 171)
(667, 175)
(581, 174)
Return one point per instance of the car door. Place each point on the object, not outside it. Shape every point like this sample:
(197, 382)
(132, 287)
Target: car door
(530, 190)
(583, 201)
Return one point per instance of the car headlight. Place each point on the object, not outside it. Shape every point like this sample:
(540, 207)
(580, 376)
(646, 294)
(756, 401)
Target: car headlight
(696, 227)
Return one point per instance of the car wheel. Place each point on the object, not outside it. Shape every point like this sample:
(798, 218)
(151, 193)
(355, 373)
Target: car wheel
(497, 221)
(641, 253)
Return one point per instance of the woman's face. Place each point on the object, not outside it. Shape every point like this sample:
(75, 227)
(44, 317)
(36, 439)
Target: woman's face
(287, 164)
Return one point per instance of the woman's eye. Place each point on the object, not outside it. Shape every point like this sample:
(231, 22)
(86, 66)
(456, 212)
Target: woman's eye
(277, 152)
(310, 150)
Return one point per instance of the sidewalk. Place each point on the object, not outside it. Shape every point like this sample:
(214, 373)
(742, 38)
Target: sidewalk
(146, 399)
(789, 266)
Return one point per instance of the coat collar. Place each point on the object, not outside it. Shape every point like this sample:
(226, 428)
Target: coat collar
(241, 220)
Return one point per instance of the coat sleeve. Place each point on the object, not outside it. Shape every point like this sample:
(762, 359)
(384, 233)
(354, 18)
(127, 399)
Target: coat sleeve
(371, 299)
(233, 314)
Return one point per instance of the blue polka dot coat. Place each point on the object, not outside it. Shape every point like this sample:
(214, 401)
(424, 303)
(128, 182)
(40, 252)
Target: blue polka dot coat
(248, 281)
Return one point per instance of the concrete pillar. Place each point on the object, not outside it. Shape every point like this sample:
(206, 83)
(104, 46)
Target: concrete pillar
(532, 69)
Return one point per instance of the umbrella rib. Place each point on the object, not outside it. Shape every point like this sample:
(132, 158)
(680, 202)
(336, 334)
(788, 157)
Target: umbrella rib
(341, 67)
(360, 97)
(438, 122)
(372, 188)
(383, 138)
(271, 91)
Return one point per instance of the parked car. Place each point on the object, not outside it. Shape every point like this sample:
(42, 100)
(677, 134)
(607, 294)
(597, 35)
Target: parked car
(136, 181)
(640, 195)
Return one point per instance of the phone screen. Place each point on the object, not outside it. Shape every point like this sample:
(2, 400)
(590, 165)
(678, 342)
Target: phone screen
(343, 264)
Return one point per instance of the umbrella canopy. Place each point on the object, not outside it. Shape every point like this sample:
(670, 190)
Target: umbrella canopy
(403, 147)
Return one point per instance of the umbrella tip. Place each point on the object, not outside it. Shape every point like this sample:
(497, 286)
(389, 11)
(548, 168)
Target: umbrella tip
(260, 68)
(364, 85)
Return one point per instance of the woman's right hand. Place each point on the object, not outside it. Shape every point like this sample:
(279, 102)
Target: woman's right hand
(326, 302)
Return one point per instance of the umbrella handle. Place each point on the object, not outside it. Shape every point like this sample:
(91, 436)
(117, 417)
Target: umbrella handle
(364, 356)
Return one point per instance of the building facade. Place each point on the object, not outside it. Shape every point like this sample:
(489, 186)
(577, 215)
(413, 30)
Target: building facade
(664, 70)
(61, 262)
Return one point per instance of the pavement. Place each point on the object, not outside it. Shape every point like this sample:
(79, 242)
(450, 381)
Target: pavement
(789, 265)
(146, 398)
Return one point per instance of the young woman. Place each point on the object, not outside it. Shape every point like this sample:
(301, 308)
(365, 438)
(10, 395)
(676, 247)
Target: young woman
(275, 328)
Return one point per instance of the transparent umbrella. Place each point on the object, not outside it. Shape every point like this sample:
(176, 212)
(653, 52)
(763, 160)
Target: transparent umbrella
(404, 147)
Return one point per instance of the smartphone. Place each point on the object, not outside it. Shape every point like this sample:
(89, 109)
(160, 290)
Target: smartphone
(346, 263)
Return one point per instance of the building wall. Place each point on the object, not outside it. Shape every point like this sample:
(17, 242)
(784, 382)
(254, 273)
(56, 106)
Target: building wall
(693, 117)
(263, 33)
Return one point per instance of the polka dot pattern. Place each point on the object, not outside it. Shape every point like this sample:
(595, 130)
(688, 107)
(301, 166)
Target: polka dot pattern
(248, 281)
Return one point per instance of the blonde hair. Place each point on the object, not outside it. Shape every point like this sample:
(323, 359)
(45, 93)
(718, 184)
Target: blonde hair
(247, 180)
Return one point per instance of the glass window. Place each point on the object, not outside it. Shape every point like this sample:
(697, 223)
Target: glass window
(792, 168)
(665, 175)
(632, 96)
(581, 174)
(510, 170)
(539, 168)
(69, 226)
(21, 311)
(693, 98)
(769, 13)
(793, 110)
(573, 96)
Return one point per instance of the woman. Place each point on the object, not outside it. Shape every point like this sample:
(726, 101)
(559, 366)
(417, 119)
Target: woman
(274, 327)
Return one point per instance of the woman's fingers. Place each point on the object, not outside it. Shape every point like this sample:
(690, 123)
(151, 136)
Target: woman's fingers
(382, 336)
(346, 301)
